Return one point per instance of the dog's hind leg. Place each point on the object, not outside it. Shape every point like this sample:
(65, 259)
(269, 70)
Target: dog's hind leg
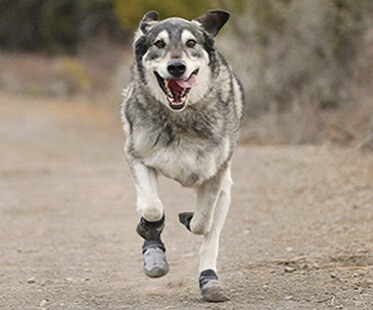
(152, 221)
(211, 287)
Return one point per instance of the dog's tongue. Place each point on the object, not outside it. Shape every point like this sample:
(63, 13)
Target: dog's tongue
(189, 83)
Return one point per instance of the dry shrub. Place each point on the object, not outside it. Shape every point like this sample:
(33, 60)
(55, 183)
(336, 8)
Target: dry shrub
(41, 75)
(305, 65)
(301, 63)
(349, 125)
(91, 72)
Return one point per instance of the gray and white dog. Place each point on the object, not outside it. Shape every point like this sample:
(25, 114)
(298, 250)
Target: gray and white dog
(182, 112)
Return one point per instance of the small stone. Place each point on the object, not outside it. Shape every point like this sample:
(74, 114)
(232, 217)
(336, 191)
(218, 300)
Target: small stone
(31, 280)
(288, 297)
(304, 266)
(289, 249)
(69, 279)
(333, 275)
(316, 265)
(339, 307)
(265, 286)
(43, 303)
(46, 283)
(289, 269)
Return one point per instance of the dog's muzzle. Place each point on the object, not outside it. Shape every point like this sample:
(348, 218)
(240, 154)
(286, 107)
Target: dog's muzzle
(175, 89)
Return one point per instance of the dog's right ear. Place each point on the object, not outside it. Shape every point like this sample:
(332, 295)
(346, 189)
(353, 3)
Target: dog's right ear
(148, 21)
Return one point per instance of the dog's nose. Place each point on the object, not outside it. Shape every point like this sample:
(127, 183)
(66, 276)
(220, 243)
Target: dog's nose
(176, 68)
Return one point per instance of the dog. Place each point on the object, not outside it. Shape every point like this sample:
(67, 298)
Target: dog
(181, 114)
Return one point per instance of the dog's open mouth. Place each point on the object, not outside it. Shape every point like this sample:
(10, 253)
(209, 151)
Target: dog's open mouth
(176, 90)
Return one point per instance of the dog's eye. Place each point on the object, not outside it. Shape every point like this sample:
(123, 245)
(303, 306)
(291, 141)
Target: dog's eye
(191, 43)
(160, 44)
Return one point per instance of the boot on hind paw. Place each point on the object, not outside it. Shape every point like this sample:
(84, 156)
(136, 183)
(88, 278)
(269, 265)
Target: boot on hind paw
(185, 218)
(211, 288)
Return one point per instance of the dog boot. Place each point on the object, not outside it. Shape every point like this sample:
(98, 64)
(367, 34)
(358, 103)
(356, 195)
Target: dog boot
(153, 250)
(211, 288)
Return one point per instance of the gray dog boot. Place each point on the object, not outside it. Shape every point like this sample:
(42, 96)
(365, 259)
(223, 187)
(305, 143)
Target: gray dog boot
(210, 286)
(153, 249)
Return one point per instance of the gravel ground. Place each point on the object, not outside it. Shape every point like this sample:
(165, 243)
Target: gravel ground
(299, 234)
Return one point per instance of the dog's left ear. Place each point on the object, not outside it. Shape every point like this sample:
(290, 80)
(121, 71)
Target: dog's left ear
(213, 21)
(148, 20)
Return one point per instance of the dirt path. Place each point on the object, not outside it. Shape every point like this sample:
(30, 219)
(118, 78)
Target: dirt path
(299, 234)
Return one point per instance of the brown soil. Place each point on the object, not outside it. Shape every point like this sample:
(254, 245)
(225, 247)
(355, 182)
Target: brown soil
(299, 234)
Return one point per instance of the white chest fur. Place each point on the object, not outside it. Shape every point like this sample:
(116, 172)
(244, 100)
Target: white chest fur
(188, 163)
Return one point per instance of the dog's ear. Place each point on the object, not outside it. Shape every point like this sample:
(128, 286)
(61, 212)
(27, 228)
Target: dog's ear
(148, 20)
(213, 21)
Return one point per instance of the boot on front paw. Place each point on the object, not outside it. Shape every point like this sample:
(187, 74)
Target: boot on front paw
(153, 249)
(155, 263)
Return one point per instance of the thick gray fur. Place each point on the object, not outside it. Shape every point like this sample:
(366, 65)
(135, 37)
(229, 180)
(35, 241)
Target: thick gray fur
(193, 146)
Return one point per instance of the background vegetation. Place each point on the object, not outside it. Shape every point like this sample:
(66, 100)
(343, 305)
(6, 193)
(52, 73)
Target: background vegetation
(306, 64)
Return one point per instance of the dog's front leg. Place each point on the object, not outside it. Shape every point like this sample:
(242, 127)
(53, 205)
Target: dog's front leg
(200, 221)
(214, 197)
(148, 203)
(152, 221)
(211, 288)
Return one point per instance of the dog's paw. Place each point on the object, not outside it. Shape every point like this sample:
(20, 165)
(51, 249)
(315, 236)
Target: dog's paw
(214, 292)
(211, 288)
(155, 263)
(185, 219)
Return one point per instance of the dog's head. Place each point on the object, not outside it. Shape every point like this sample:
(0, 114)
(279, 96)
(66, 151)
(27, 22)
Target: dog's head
(176, 57)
